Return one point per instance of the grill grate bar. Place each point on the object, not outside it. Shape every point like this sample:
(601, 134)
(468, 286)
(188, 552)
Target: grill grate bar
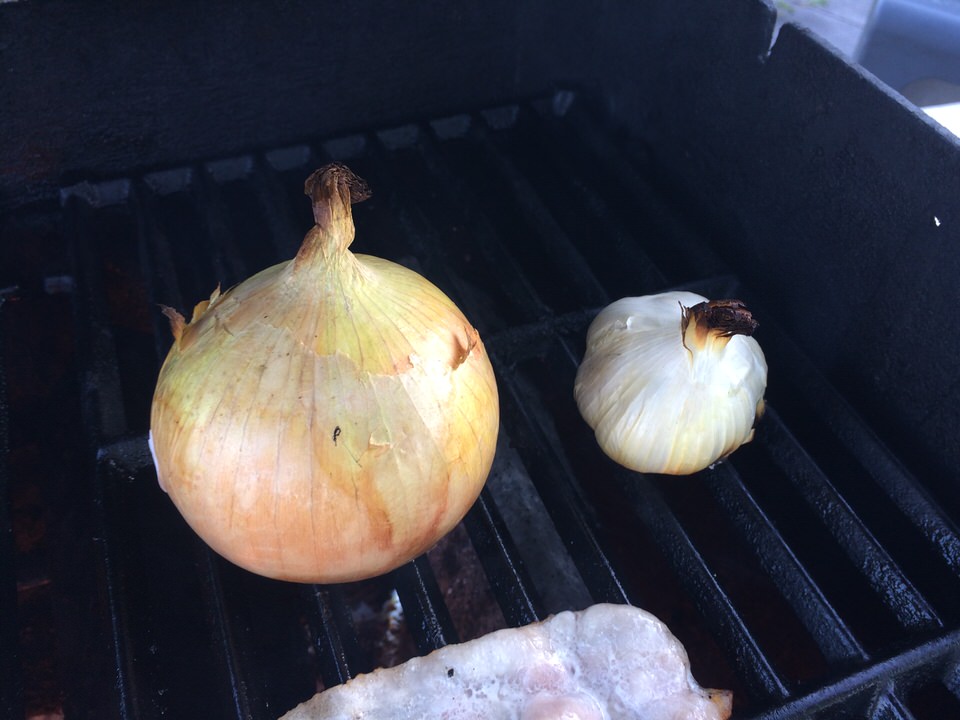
(104, 417)
(834, 638)
(885, 577)
(339, 654)
(451, 191)
(101, 382)
(126, 686)
(157, 266)
(234, 199)
(406, 200)
(554, 243)
(278, 212)
(602, 224)
(558, 491)
(669, 233)
(822, 403)
(423, 605)
(888, 706)
(952, 678)
(223, 636)
(911, 663)
(694, 573)
(532, 535)
(501, 563)
(228, 265)
(11, 680)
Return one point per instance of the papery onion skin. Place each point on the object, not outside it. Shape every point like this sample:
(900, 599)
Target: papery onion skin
(329, 418)
(658, 406)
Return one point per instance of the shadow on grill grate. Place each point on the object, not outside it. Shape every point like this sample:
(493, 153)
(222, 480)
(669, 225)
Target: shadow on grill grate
(812, 573)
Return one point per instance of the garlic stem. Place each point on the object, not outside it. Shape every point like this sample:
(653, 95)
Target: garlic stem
(709, 325)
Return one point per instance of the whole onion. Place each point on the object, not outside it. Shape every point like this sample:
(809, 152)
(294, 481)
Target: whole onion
(329, 418)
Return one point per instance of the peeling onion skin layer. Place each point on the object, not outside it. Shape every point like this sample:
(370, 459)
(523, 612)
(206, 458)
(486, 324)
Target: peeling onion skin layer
(329, 418)
(664, 395)
(608, 662)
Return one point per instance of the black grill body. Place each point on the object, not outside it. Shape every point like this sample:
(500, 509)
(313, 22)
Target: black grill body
(537, 163)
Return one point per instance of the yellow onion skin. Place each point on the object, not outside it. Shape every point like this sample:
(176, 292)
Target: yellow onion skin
(328, 419)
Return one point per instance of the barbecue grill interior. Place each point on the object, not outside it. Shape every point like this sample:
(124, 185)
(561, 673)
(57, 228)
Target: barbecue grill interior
(536, 163)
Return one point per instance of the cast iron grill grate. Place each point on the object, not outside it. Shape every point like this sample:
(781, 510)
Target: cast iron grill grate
(813, 573)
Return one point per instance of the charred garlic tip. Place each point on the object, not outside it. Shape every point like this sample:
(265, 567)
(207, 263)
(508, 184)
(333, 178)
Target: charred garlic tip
(714, 320)
(673, 382)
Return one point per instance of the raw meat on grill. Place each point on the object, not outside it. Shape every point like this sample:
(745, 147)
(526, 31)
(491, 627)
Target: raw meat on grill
(603, 663)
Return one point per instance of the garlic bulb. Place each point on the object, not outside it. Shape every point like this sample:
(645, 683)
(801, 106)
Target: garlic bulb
(671, 383)
(329, 418)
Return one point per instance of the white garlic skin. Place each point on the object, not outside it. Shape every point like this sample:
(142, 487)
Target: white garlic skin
(657, 406)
